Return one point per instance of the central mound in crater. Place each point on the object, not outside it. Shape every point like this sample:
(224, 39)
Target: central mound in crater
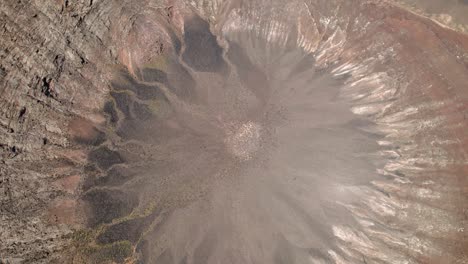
(244, 140)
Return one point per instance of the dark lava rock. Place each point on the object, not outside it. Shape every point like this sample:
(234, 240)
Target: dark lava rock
(123, 101)
(202, 52)
(115, 176)
(149, 92)
(107, 205)
(105, 158)
(109, 109)
(154, 75)
(130, 129)
(142, 111)
(130, 230)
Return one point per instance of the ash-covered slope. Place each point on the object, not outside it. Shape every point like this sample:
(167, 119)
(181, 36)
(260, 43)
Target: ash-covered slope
(233, 132)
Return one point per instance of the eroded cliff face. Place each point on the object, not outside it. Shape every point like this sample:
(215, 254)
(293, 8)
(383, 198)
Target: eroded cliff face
(231, 132)
(54, 57)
